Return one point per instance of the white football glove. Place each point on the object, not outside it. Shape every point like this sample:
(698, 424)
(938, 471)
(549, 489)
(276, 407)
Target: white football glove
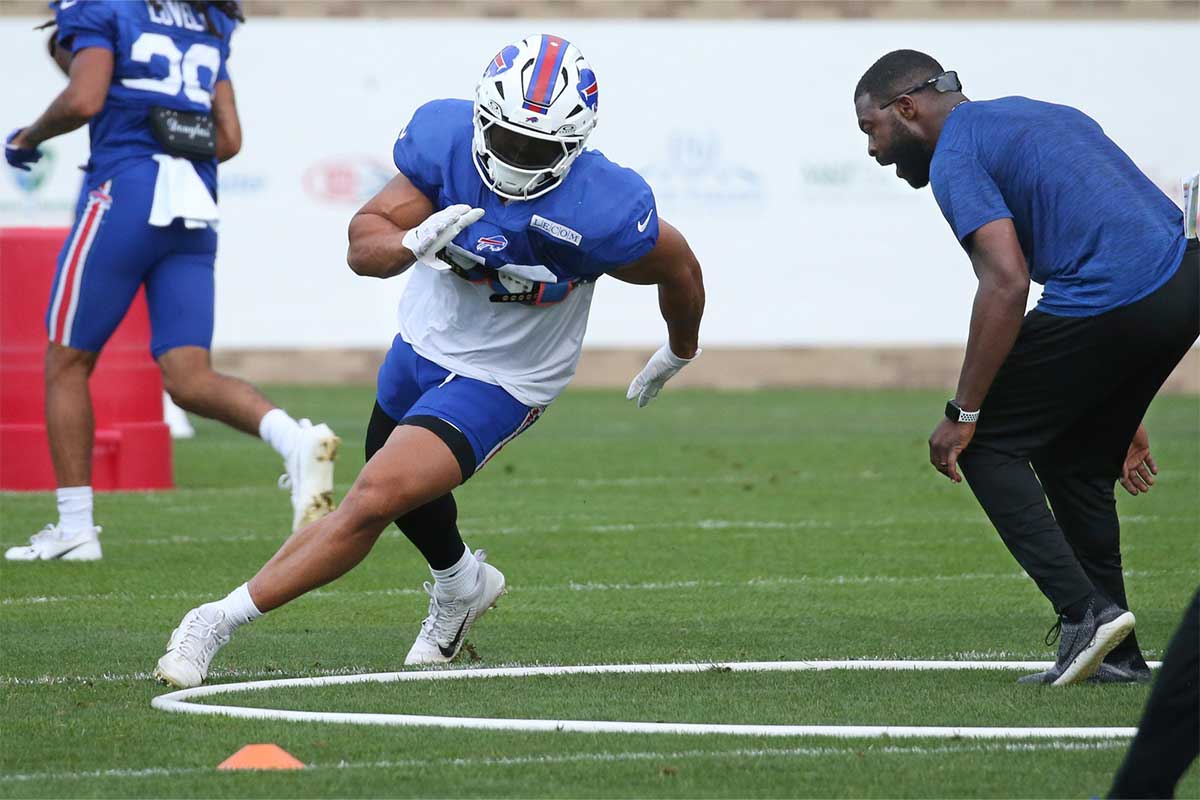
(661, 367)
(438, 229)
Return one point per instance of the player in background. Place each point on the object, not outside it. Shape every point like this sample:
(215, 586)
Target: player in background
(175, 417)
(1049, 404)
(151, 82)
(506, 222)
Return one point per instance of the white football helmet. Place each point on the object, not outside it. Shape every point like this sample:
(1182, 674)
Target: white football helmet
(535, 106)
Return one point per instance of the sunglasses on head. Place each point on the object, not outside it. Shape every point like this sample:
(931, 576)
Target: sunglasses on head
(946, 82)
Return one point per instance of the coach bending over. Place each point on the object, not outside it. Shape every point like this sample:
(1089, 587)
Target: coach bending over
(1049, 404)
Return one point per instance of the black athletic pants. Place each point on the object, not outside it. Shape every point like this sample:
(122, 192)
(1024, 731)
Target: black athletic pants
(433, 527)
(1056, 426)
(1168, 737)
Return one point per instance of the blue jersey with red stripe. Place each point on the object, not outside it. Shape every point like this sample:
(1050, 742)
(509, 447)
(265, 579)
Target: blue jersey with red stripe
(601, 217)
(165, 53)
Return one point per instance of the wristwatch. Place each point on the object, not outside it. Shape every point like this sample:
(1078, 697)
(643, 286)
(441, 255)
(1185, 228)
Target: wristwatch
(955, 413)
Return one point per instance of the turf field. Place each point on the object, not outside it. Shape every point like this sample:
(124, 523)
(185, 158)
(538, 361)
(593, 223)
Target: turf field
(707, 527)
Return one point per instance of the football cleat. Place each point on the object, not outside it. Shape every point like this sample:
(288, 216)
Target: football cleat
(310, 473)
(445, 629)
(53, 543)
(192, 646)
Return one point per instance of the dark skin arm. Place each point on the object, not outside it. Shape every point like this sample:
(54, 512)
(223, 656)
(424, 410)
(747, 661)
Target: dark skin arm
(377, 250)
(1139, 469)
(90, 75)
(377, 231)
(672, 267)
(995, 322)
(229, 127)
(999, 308)
(60, 54)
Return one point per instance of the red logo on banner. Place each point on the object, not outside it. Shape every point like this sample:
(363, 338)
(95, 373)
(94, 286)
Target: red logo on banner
(349, 179)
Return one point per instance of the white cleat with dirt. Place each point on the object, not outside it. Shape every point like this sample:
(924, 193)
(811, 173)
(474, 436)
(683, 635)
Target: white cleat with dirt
(52, 543)
(192, 646)
(310, 473)
(445, 629)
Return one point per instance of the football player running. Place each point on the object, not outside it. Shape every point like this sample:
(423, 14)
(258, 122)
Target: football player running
(151, 82)
(506, 222)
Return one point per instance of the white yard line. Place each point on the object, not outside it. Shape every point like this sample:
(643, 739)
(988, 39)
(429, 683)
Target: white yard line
(1019, 660)
(220, 674)
(600, 757)
(180, 702)
(481, 528)
(570, 586)
(593, 586)
(217, 674)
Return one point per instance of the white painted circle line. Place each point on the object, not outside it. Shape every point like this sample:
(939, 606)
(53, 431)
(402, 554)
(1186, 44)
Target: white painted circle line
(179, 702)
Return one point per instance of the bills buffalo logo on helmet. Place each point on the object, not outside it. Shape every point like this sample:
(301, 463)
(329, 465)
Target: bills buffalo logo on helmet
(589, 91)
(491, 243)
(503, 61)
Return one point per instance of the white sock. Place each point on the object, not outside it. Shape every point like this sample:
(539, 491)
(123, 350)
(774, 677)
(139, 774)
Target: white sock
(75, 508)
(238, 607)
(459, 579)
(280, 431)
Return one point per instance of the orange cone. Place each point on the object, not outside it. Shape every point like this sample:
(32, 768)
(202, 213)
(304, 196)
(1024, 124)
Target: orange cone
(261, 756)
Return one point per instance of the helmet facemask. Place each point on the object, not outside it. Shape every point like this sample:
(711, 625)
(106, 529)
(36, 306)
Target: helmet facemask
(519, 163)
(535, 107)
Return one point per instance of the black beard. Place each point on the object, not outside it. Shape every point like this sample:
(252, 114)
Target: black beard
(911, 157)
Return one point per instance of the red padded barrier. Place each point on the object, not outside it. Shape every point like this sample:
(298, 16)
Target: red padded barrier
(133, 444)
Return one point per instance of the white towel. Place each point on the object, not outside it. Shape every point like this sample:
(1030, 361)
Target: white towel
(179, 193)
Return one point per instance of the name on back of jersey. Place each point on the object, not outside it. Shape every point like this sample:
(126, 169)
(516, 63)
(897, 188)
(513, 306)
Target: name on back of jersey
(175, 14)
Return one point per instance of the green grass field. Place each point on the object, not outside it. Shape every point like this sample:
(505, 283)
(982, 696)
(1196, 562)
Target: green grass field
(707, 527)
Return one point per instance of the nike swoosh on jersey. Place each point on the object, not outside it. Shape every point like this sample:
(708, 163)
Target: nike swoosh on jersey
(449, 650)
(642, 225)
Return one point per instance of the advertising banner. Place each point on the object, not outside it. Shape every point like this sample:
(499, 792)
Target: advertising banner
(745, 130)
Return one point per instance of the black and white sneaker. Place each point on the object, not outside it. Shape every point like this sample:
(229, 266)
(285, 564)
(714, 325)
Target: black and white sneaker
(1129, 668)
(1124, 671)
(1083, 645)
(445, 629)
(52, 543)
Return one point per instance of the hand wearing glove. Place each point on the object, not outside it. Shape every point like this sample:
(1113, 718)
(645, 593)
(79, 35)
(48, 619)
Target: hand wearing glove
(438, 229)
(661, 367)
(20, 157)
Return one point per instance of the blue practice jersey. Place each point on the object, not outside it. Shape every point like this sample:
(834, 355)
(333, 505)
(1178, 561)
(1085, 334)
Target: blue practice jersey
(1096, 232)
(164, 54)
(601, 217)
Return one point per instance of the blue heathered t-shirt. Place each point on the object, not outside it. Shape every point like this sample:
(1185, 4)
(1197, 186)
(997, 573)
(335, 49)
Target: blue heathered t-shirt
(1096, 232)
